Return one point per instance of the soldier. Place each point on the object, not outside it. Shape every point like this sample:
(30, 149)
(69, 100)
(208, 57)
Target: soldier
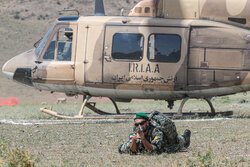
(149, 136)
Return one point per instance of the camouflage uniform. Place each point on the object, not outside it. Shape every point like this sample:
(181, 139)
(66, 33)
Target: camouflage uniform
(161, 134)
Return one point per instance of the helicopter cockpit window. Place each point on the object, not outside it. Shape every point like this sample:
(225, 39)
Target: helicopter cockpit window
(164, 48)
(64, 47)
(62, 44)
(50, 52)
(127, 46)
(43, 41)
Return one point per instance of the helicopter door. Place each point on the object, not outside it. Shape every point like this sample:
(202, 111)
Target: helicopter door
(145, 58)
(58, 57)
(123, 45)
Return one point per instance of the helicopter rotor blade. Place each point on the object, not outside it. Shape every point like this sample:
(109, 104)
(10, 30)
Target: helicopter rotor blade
(99, 8)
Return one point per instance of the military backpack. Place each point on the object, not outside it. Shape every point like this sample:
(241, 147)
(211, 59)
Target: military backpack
(166, 125)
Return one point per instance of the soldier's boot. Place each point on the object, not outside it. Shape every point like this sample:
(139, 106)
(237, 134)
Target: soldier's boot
(119, 149)
(187, 135)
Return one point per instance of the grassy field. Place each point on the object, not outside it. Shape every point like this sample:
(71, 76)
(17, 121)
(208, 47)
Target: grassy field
(30, 110)
(220, 143)
(227, 143)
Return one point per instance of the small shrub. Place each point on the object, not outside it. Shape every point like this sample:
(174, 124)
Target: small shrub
(16, 16)
(242, 159)
(225, 99)
(41, 17)
(58, 2)
(233, 139)
(15, 157)
(205, 160)
(209, 160)
(201, 160)
(18, 157)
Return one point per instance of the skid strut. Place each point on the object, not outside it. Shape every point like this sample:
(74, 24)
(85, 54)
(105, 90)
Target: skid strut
(211, 106)
(98, 111)
(92, 107)
(208, 100)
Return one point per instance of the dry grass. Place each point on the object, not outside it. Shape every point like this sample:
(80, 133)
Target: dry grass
(217, 143)
(226, 141)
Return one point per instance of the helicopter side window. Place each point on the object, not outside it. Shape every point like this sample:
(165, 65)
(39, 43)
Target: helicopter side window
(147, 10)
(127, 46)
(164, 48)
(64, 44)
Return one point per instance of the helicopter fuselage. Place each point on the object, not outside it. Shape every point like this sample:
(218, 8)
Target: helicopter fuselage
(137, 58)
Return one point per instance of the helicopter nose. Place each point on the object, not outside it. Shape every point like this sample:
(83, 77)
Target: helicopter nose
(19, 68)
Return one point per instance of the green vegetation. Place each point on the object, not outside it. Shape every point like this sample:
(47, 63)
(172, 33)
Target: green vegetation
(15, 157)
(208, 159)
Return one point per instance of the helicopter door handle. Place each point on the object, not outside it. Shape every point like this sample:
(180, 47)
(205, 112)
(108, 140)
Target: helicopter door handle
(107, 58)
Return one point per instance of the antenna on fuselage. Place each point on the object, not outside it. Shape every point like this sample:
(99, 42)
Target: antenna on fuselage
(99, 8)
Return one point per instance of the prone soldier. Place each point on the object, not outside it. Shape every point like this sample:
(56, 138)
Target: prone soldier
(150, 136)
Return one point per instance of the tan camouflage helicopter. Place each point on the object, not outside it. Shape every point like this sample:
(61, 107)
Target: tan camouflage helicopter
(163, 50)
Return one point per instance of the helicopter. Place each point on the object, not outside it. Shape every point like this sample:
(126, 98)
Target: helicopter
(163, 50)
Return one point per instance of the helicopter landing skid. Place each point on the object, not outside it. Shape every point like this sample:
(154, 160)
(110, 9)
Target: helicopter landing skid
(118, 115)
(91, 106)
(131, 115)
